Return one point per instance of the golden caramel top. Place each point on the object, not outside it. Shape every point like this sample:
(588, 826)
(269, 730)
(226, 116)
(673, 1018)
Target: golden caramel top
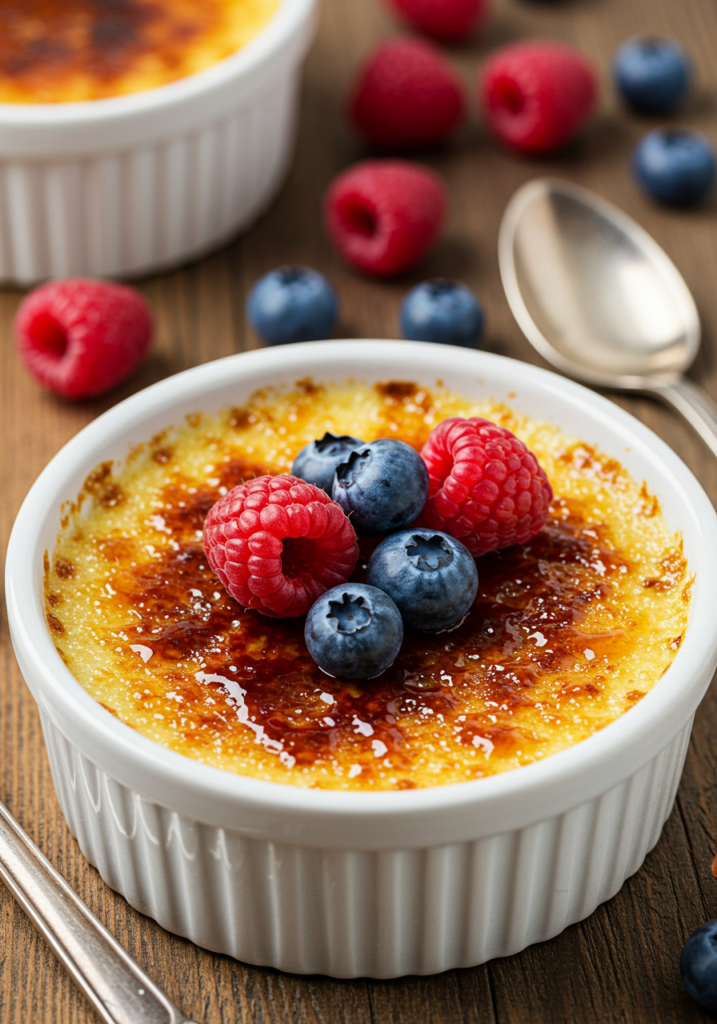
(55, 51)
(567, 632)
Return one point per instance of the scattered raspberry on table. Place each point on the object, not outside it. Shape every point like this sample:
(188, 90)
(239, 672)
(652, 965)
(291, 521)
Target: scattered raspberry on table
(384, 215)
(537, 95)
(406, 94)
(445, 20)
(80, 336)
(278, 543)
(485, 486)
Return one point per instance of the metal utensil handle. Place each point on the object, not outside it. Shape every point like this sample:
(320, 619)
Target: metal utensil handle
(695, 405)
(120, 991)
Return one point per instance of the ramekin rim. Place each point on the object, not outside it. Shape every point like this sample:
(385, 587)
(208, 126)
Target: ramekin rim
(652, 710)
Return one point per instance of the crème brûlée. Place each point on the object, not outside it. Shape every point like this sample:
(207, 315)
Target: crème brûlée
(60, 51)
(568, 631)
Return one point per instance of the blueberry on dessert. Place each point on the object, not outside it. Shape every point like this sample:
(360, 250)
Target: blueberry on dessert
(675, 165)
(430, 576)
(317, 461)
(292, 304)
(442, 311)
(698, 966)
(382, 486)
(354, 631)
(652, 74)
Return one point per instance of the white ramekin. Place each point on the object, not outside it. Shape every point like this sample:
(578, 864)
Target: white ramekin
(351, 884)
(132, 184)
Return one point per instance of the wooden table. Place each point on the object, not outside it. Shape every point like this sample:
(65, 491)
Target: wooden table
(620, 964)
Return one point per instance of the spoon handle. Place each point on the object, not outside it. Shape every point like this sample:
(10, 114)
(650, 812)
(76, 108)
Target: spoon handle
(117, 987)
(695, 405)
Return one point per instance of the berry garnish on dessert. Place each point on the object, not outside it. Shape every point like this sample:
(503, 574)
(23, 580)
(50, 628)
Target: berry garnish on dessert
(277, 543)
(292, 304)
(406, 94)
(675, 165)
(486, 487)
(445, 20)
(79, 336)
(442, 311)
(698, 966)
(537, 95)
(384, 215)
(354, 631)
(431, 577)
(317, 461)
(382, 485)
(652, 74)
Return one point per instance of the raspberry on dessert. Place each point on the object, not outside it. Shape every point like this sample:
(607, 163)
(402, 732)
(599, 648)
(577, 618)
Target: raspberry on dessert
(486, 488)
(445, 20)
(537, 95)
(277, 543)
(384, 215)
(406, 94)
(79, 336)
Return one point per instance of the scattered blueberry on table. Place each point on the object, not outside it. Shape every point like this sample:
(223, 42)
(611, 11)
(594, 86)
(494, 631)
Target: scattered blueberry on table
(698, 965)
(317, 461)
(430, 576)
(652, 74)
(354, 631)
(382, 486)
(292, 304)
(442, 311)
(675, 165)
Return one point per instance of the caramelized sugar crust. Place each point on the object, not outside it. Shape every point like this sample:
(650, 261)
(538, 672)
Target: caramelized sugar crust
(567, 632)
(55, 51)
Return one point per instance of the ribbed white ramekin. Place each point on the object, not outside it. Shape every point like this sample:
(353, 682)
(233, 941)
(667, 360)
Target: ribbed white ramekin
(351, 884)
(132, 184)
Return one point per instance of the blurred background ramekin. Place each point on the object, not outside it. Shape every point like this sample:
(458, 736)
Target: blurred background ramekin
(378, 884)
(133, 184)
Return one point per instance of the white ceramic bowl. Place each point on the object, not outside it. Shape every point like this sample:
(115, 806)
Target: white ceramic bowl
(130, 184)
(380, 884)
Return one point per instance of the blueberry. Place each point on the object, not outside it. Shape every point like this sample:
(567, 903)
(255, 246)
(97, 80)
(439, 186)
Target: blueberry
(382, 486)
(431, 577)
(442, 311)
(675, 165)
(652, 74)
(317, 461)
(292, 304)
(698, 965)
(354, 631)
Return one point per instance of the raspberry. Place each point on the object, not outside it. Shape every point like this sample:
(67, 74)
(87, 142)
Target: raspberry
(486, 488)
(406, 94)
(446, 20)
(537, 95)
(278, 543)
(79, 337)
(383, 215)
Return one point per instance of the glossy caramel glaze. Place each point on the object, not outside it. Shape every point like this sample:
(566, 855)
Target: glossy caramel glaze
(55, 51)
(567, 632)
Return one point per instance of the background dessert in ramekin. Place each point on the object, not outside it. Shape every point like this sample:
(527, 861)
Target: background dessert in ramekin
(379, 884)
(133, 183)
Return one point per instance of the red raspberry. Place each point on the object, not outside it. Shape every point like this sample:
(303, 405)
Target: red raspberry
(383, 215)
(446, 20)
(278, 543)
(486, 488)
(406, 94)
(537, 95)
(80, 337)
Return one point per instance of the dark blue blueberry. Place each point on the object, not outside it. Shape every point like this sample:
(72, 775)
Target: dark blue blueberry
(354, 631)
(698, 965)
(317, 461)
(442, 311)
(675, 165)
(382, 486)
(652, 74)
(292, 304)
(431, 577)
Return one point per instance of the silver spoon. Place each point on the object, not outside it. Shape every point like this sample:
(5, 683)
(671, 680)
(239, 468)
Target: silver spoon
(118, 988)
(599, 299)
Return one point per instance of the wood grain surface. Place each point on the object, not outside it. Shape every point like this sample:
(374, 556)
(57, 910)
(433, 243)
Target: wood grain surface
(622, 963)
